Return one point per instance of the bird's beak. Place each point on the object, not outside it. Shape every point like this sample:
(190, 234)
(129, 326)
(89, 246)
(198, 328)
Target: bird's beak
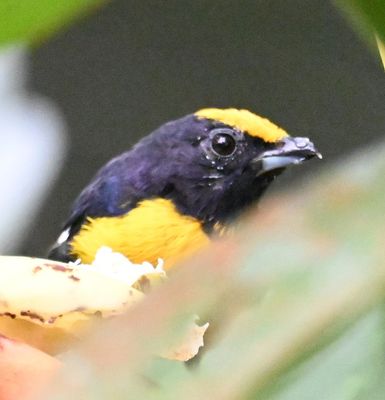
(290, 150)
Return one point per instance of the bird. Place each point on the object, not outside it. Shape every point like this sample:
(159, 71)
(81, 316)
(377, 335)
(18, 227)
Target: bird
(179, 187)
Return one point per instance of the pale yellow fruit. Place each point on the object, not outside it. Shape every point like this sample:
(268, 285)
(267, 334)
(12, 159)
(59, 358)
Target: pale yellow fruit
(46, 303)
(49, 305)
(189, 346)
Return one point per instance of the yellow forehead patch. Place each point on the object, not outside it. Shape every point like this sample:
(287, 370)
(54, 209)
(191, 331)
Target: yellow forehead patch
(245, 121)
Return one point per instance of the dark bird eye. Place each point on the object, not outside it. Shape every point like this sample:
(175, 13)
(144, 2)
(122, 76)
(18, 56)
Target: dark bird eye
(223, 144)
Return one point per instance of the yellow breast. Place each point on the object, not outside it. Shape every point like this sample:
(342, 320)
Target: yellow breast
(153, 229)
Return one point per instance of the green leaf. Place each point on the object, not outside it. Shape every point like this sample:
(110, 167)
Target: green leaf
(368, 15)
(32, 20)
(295, 304)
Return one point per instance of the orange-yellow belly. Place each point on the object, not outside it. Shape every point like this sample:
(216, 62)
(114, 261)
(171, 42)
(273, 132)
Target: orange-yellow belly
(152, 230)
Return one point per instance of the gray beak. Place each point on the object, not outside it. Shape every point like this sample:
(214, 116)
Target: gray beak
(290, 150)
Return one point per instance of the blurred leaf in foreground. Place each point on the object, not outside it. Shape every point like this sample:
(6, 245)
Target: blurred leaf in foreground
(31, 20)
(381, 49)
(367, 15)
(295, 298)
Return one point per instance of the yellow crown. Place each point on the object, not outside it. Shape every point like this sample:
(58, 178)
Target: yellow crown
(245, 121)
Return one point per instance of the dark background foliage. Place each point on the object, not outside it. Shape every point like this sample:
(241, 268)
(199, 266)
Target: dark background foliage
(133, 65)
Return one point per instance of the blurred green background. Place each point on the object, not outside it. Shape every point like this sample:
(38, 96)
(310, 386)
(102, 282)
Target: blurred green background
(132, 65)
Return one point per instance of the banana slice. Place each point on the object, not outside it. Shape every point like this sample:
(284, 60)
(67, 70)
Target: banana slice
(48, 304)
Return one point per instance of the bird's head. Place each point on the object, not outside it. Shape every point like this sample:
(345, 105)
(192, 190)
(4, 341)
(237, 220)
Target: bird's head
(216, 162)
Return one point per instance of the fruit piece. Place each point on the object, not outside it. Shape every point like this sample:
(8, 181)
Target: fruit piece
(47, 304)
(24, 370)
(189, 346)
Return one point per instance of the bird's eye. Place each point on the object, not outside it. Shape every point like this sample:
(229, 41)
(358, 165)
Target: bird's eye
(223, 144)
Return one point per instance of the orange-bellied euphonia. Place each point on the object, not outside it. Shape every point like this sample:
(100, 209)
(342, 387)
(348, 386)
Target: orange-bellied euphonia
(166, 196)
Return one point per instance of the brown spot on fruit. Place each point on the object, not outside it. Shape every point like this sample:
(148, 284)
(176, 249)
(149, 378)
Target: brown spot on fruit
(58, 267)
(8, 314)
(144, 284)
(32, 315)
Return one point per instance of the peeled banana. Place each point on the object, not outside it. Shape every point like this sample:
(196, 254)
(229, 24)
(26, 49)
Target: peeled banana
(49, 305)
